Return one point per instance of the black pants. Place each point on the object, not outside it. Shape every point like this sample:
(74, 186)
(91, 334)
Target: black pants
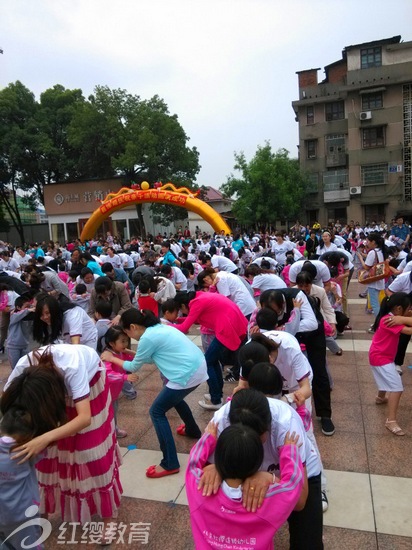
(402, 345)
(306, 526)
(316, 349)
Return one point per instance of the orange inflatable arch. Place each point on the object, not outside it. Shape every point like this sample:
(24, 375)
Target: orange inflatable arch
(165, 194)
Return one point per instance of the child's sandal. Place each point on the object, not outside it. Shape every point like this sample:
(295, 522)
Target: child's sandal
(393, 427)
(381, 400)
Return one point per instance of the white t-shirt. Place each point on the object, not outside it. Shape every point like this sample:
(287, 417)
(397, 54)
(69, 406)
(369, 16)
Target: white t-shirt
(291, 362)
(76, 322)
(178, 277)
(127, 260)
(223, 264)
(231, 286)
(89, 286)
(284, 419)
(267, 281)
(402, 283)
(10, 265)
(280, 250)
(78, 365)
(406, 267)
(322, 250)
(273, 263)
(116, 261)
(322, 276)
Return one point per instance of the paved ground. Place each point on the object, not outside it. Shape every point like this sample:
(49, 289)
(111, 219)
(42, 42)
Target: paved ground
(369, 469)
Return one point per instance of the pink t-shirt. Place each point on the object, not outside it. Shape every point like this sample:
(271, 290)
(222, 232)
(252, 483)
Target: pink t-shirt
(218, 314)
(384, 344)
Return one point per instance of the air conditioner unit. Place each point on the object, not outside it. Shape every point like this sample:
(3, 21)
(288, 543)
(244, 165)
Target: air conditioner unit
(355, 190)
(365, 115)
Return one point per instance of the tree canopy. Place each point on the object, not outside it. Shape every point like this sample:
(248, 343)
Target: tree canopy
(270, 187)
(64, 136)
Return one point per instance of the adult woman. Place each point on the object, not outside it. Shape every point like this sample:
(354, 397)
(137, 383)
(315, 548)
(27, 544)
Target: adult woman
(262, 280)
(376, 254)
(75, 259)
(88, 261)
(181, 362)
(218, 314)
(113, 258)
(80, 472)
(56, 321)
(326, 244)
(280, 247)
(273, 418)
(87, 277)
(229, 285)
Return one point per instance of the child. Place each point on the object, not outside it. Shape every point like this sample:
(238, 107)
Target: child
(222, 516)
(102, 314)
(145, 299)
(71, 280)
(18, 337)
(388, 326)
(19, 489)
(117, 342)
(81, 296)
(170, 311)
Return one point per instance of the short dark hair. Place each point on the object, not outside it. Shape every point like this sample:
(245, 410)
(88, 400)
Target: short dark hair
(266, 318)
(17, 422)
(107, 267)
(304, 278)
(238, 453)
(250, 354)
(144, 286)
(80, 288)
(102, 284)
(266, 378)
(104, 309)
(310, 268)
(250, 408)
(169, 306)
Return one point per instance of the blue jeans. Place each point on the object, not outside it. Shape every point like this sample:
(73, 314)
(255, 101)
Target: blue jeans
(374, 300)
(214, 360)
(166, 400)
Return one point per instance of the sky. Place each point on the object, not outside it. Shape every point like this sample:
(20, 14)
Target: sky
(227, 68)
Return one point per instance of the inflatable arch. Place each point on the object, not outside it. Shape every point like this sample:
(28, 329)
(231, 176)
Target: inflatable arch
(164, 194)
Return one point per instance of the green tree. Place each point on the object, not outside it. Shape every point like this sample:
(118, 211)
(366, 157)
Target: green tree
(119, 133)
(270, 187)
(17, 138)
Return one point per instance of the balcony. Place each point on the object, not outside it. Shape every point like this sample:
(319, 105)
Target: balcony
(336, 186)
(336, 159)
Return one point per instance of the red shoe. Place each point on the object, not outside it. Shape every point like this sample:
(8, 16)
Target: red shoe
(151, 472)
(181, 430)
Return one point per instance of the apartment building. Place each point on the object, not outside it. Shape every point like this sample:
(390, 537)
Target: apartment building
(355, 133)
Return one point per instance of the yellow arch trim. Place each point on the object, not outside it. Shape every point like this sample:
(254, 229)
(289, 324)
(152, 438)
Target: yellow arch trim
(167, 194)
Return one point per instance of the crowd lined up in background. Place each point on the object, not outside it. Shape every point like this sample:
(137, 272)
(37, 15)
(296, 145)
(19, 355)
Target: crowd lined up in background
(268, 305)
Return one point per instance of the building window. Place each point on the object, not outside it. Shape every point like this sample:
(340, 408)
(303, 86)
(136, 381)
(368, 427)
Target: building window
(313, 184)
(373, 137)
(337, 214)
(371, 57)
(335, 180)
(372, 101)
(311, 148)
(335, 110)
(310, 114)
(374, 212)
(374, 174)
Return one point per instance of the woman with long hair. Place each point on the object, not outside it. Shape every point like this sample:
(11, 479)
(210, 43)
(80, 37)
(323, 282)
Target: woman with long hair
(63, 388)
(62, 321)
(326, 244)
(183, 366)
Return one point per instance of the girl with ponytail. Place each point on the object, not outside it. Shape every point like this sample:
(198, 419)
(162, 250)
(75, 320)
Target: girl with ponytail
(391, 322)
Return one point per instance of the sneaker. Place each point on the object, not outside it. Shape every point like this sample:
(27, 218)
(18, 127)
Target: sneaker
(208, 405)
(371, 330)
(325, 502)
(399, 369)
(120, 434)
(328, 427)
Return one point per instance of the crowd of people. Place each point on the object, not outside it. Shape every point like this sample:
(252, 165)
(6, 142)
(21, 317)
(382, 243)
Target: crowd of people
(268, 304)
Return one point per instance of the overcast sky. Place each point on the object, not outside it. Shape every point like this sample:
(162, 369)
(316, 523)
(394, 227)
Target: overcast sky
(225, 67)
